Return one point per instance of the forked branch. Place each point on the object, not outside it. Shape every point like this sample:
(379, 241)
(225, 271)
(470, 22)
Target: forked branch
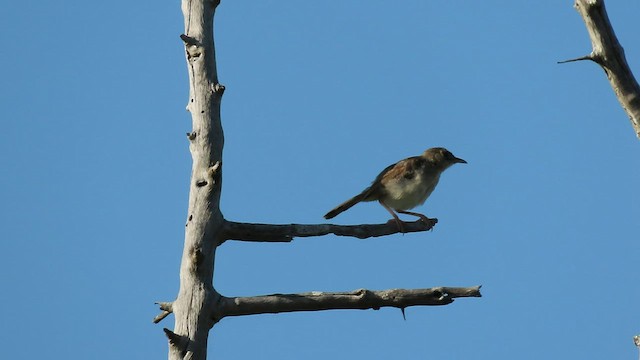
(609, 54)
(286, 233)
(167, 308)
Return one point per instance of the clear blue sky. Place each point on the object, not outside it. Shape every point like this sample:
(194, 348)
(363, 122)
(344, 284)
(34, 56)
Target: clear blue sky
(320, 97)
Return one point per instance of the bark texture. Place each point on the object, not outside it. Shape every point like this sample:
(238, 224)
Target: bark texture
(609, 54)
(194, 305)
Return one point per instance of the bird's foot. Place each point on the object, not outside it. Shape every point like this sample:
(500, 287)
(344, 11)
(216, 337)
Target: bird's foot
(428, 220)
(399, 223)
(431, 222)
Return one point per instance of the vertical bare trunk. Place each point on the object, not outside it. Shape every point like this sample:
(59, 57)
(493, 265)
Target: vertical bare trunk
(195, 302)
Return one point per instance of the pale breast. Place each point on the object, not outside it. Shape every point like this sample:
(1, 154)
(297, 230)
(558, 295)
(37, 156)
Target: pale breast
(405, 194)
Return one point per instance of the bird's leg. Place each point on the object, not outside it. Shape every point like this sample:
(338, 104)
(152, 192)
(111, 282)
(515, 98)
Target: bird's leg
(395, 216)
(421, 216)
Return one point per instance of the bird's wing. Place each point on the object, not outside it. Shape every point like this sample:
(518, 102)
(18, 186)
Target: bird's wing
(376, 185)
(404, 168)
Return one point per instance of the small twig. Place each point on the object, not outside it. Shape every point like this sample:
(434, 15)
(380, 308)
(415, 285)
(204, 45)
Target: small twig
(286, 233)
(174, 339)
(161, 317)
(218, 89)
(188, 40)
(193, 46)
(167, 308)
(586, 57)
(214, 170)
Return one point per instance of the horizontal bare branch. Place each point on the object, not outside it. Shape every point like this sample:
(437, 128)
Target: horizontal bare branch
(287, 232)
(358, 299)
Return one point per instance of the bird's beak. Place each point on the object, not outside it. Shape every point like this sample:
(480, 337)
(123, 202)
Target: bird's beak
(462, 161)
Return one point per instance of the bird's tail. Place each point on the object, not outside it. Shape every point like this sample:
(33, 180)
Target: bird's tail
(346, 205)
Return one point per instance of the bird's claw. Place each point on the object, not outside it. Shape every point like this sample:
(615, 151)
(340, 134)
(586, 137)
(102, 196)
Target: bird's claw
(399, 223)
(431, 222)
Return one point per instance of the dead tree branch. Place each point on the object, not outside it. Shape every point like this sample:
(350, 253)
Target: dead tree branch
(357, 299)
(286, 233)
(194, 303)
(198, 305)
(167, 308)
(360, 299)
(609, 54)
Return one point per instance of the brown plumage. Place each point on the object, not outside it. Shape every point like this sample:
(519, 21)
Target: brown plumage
(405, 184)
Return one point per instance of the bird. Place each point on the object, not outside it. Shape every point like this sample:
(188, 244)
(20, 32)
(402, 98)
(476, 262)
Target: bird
(404, 185)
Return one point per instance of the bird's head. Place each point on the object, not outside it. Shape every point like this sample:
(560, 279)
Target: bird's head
(442, 157)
